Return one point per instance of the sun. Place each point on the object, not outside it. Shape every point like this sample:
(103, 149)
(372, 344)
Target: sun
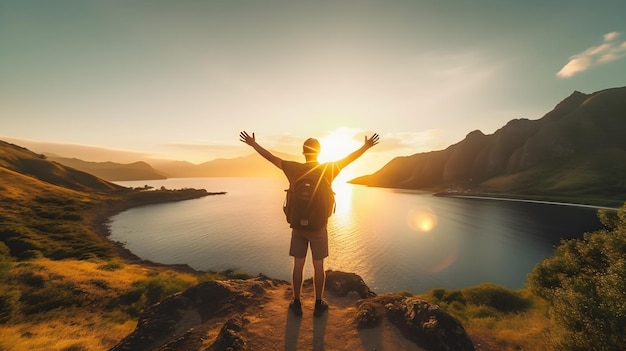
(338, 144)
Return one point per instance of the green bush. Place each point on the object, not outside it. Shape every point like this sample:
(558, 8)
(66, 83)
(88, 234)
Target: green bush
(584, 284)
(448, 296)
(144, 293)
(498, 297)
(485, 301)
(157, 288)
(438, 293)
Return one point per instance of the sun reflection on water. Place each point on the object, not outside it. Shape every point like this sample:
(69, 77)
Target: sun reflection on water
(343, 200)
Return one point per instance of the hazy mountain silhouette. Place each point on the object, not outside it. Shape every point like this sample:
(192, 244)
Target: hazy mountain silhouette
(576, 150)
(252, 165)
(112, 171)
(248, 166)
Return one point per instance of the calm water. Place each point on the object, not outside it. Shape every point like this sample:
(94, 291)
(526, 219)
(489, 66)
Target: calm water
(393, 239)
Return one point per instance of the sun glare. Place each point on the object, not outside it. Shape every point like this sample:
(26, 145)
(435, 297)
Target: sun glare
(422, 219)
(338, 144)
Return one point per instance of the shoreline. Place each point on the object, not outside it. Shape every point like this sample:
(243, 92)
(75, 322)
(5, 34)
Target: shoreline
(520, 198)
(100, 218)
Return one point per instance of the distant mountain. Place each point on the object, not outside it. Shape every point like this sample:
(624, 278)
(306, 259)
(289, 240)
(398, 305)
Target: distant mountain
(252, 165)
(577, 150)
(16, 159)
(112, 171)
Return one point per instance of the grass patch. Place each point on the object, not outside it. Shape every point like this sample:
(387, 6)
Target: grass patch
(497, 318)
(78, 305)
(82, 332)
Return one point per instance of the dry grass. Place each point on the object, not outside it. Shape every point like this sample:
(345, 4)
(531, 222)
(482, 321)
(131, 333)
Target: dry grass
(82, 332)
(526, 331)
(90, 323)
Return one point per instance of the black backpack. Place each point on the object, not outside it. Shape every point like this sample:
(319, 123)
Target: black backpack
(309, 200)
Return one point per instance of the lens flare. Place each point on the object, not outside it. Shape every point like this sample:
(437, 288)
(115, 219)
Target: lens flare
(422, 219)
(446, 261)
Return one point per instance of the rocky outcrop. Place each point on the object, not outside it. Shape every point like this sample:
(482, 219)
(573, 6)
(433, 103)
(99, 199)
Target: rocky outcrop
(419, 321)
(342, 283)
(215, 316)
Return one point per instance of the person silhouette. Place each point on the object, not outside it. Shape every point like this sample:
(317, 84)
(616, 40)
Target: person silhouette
(301, 239)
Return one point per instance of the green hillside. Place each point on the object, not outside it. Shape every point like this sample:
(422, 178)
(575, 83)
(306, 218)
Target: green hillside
(63, 285)
(49, 210)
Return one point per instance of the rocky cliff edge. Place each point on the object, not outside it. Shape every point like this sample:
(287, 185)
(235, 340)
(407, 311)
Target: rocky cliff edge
(240, 315)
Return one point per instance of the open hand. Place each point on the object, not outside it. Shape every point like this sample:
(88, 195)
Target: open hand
(246, 138)
(371, 141)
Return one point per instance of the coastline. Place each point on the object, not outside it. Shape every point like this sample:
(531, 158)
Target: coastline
(100, 218)
(534, 199)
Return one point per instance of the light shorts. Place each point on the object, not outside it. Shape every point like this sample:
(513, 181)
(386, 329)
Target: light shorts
(300, 240)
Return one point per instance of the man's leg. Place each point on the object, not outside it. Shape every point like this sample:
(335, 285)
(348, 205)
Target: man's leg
(319, 281)
(296, 276)
(296, 285)
(319, 278)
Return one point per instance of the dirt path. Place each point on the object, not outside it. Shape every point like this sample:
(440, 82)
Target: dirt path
(271, 326)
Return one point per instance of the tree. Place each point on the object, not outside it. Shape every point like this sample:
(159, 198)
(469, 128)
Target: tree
(585, 286)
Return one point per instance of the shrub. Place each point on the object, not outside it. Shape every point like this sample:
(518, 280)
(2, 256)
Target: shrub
(438, 293)
(21, 247)
(111, 266)
(498, 297)
(144, 293)
(584, 284)
(49, 297)
(449, 296)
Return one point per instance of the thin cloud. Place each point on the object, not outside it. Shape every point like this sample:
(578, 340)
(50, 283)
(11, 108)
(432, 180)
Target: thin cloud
(611, 36)
(610, 50)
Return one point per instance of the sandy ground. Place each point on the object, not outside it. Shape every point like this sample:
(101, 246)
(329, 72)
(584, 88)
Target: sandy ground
(271, 326)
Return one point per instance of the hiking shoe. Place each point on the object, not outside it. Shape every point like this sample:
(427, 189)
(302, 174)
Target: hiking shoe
(320, 308)
(296, 307)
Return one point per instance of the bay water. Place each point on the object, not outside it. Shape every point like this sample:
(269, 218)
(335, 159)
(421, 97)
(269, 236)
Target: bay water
(394, 239)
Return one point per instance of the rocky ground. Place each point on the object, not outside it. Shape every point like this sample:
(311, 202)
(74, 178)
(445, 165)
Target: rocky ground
(253, 314)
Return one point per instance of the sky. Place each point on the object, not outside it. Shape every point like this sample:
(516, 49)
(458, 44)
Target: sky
(180, 79)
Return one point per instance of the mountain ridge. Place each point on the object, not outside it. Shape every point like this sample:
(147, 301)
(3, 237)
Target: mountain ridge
(575, 151)
(112, 171)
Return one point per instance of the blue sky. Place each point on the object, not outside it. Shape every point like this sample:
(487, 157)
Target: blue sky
(180, 79)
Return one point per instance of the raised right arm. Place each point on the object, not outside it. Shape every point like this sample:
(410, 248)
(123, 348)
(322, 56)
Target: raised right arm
(368, 143)
(250, 140)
